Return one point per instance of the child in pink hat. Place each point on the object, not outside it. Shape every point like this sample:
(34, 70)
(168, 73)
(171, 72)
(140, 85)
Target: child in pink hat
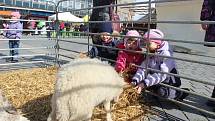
(126, 58)
(156, 43)
(152, 79)
(14, 34)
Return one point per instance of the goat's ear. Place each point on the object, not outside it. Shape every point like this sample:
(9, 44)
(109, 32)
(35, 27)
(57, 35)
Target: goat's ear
(82, 55)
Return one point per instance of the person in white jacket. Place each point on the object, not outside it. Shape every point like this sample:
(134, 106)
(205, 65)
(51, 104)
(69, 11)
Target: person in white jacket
(153, 79)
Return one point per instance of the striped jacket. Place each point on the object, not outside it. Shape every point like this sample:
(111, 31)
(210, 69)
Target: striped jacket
(158, 63)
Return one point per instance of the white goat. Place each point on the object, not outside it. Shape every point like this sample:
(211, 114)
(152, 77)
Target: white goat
(81, 85)
(8, 112)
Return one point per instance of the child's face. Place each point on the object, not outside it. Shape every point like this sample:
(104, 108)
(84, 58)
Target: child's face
(106, 38)
(131, 44)
(13, 17)
(153, 47)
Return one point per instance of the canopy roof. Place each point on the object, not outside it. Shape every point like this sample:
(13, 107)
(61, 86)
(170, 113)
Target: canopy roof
(66, 16)
(5, 13)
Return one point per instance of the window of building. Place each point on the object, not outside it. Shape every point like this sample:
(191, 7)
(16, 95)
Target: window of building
(90, 1)
(72, 5)
(26, 4)
(51, 7)
(35, 5)
(8, 2)
(82, 5)
(90, 5)
(19, 4)
(42, 6)
(77, 5)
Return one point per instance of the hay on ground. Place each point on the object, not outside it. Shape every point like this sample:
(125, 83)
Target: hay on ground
(30, 91)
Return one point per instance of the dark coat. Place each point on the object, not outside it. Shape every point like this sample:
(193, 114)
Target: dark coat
(101, 14)
(104, 52)
(208, 14)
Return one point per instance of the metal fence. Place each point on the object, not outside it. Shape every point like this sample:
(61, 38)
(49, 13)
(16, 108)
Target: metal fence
(30, 52)
(149, 21)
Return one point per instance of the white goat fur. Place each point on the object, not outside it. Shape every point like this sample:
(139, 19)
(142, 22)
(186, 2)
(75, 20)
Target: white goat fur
(81, 85)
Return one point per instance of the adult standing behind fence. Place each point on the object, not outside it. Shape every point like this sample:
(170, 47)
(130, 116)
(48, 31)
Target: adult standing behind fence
(14, 35)
(208, 14)
(101, 14)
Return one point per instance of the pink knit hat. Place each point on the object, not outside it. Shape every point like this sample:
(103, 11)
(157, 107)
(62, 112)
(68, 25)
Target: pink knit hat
(132, 33)
(16, 14)
(155, 33)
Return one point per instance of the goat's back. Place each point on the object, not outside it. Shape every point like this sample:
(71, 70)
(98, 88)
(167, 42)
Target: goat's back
(88, 82)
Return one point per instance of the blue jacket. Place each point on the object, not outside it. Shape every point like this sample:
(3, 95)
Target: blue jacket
(104, 52)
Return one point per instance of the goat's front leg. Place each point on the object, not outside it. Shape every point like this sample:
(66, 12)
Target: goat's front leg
(88, 117)
(107, 106)
(116, 99)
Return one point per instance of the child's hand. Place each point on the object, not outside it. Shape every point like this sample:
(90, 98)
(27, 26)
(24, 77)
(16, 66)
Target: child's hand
(5, 26)
(143, 49)
(204, 26)
(83, 55)
(140, 87)
(121, 74)
(131, 67)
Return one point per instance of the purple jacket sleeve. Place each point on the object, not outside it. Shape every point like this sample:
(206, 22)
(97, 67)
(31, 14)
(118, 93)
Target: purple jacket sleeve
(206, 11)
(155, 78)
(165, 66)
(140, 74)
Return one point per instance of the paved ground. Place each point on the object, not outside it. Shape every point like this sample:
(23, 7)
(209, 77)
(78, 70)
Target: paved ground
(165, 109)
(42, 52)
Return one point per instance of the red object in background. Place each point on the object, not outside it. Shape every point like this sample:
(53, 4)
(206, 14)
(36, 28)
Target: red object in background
(116, 26)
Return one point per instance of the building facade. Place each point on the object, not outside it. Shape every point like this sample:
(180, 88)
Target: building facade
(47, 5)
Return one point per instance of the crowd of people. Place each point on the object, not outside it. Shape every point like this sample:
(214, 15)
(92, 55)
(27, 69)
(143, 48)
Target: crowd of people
(42, 27)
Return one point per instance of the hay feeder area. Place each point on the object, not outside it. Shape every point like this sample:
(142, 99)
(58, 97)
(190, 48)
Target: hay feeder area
(30, 91)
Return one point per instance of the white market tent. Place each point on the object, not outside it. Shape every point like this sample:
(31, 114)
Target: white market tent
(66, 16)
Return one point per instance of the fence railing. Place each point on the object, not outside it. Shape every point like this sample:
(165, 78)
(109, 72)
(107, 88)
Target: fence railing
(29, 50)
(147, 53)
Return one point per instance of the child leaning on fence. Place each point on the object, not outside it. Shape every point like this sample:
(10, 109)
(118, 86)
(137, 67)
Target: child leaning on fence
(126, 58)
(152, 79)
(104, 40)
(14, 33)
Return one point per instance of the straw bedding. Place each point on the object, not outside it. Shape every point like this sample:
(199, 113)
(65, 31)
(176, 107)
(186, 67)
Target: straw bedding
(30, 91)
